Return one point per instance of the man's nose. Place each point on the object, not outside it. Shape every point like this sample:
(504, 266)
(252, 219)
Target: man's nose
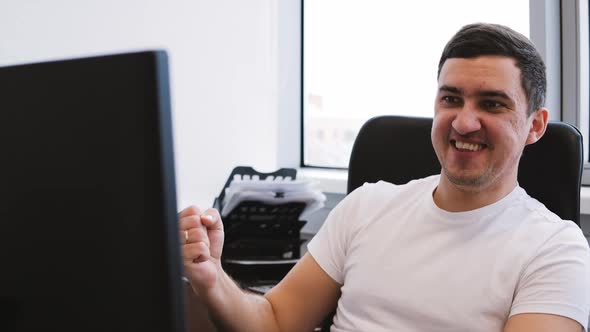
(467, 120)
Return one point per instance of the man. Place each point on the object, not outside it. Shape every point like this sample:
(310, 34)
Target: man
(466, 250)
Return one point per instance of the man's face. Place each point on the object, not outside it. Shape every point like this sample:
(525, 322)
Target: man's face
(480, 123)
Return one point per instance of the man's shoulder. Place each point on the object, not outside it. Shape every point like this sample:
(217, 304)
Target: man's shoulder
(539, 214)
(536, 221)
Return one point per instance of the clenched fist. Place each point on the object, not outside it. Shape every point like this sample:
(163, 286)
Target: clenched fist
(202, 242)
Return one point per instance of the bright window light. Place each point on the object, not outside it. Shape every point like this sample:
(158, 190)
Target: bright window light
(363, 58)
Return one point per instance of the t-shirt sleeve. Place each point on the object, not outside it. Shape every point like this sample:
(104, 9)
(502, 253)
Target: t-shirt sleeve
(557, 280)
(329, 246)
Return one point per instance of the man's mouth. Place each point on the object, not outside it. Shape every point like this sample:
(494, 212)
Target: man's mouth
(465, 146)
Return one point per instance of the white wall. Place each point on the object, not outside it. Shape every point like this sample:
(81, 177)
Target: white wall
(224, 71)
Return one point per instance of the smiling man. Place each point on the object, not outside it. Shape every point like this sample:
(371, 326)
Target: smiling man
(481, 126)
(466, 250)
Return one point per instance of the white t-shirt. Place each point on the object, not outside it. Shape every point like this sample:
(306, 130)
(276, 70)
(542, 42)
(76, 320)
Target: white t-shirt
(406, 265)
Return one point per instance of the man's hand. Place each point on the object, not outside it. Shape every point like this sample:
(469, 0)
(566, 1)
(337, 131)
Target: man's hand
(201, 235)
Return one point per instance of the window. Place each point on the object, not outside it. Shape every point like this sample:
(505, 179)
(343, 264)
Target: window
(575, 55)
(369, 57)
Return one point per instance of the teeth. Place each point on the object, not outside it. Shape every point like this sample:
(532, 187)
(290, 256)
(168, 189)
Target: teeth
(468, 146)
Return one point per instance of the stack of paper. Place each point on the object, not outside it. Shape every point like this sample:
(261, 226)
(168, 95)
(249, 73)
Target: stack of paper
(273, 191)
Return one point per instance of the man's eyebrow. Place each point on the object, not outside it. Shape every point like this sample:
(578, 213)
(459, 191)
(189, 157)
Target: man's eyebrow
(493, 93)
(450, 89)
(482, 93)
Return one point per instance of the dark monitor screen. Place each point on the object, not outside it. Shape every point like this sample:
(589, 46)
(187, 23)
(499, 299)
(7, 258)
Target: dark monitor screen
(88, 224)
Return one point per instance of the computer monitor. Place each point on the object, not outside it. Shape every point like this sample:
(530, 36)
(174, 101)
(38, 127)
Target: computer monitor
(88, 224)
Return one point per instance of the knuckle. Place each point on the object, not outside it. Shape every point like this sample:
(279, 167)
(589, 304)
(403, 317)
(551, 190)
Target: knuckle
(203, 245)
(189, 221)
(195, 253)
(193, 250)
(213, 212)
(193, 209)
(198, 234)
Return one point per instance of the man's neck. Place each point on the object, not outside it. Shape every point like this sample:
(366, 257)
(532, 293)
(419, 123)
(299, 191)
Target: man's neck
(457, 198)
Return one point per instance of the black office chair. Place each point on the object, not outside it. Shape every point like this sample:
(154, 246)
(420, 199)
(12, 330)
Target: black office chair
(398, 149)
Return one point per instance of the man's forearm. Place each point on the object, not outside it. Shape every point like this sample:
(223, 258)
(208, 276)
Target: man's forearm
(197, 318)
(233, 309)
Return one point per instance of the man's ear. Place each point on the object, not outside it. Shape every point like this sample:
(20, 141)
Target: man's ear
(538, 125)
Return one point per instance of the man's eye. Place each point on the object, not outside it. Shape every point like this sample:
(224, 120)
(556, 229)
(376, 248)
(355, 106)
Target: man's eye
(491, 104)
(450, 100)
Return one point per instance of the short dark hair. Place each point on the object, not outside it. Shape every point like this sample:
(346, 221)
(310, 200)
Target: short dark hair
(479, 39)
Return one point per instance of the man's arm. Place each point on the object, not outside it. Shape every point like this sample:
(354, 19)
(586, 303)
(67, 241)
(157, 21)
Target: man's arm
(297, 303)
(197, 315)
(553, 293)
(304, 297)
(541, 323)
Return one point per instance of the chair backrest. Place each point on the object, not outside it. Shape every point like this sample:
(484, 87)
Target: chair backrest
(398, 149)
